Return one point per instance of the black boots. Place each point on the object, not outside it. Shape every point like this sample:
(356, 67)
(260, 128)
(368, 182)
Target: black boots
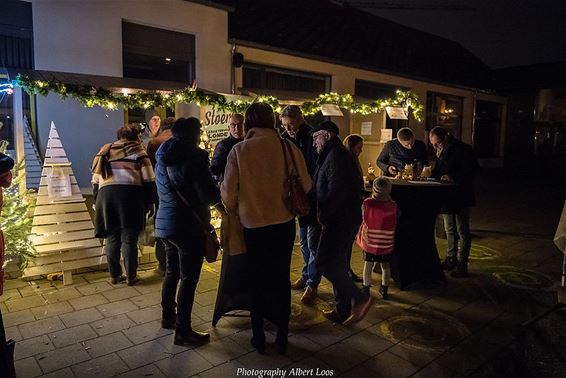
(461, 271)
(383, 292)
(190, 337)
(365, 289)
(449, 263)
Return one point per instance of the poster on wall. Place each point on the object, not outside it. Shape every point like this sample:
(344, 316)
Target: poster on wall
(386, 135)
(366, 128)
(396, 112)
(216, 121)
(58, 183)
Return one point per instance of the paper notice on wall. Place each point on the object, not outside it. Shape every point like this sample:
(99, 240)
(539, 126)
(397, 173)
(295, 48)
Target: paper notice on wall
(386, 135)
(396, 112)
(366, 128)
(58, 183)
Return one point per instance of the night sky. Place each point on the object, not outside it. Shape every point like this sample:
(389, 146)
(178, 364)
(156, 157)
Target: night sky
(502, 33)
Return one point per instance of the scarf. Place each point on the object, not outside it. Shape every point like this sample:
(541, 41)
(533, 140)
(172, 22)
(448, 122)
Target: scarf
(112, 152)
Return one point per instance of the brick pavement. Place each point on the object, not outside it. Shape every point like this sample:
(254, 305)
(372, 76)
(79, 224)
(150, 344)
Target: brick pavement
(95, 328)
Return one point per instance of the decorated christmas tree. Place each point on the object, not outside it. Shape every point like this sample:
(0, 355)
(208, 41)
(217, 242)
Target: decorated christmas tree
(15, 219)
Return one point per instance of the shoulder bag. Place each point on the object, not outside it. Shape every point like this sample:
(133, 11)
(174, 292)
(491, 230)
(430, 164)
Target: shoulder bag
(297, 200)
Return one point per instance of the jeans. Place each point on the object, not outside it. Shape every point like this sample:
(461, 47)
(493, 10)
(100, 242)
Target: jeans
(457, 227)
(335, 242)
(184, 263)
(309, 237)
(269, 250)
(126, 241)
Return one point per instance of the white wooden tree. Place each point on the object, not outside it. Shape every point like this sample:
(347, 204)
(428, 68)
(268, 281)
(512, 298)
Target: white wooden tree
(64, 232)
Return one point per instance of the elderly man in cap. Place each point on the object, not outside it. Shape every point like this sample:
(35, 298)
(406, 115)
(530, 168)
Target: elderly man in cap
(339, 213)
(299, 132)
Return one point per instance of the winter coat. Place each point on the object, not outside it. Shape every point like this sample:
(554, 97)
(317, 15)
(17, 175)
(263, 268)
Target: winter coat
(183, 168)
(154, 143)
(255, 181)
(377, 232)
(220, 157)
(459, 162)
(123, 187)
(395, 154)
(337, 186)
(303, 140)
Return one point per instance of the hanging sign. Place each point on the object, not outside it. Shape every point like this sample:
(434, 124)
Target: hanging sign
(330, 110)
(396, 112)
(58, 183)
(215, 123)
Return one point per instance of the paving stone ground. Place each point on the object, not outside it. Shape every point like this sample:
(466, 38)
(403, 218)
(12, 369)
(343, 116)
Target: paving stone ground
(94, 328)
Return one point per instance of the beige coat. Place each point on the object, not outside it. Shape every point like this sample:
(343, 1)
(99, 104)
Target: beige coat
(255, 182)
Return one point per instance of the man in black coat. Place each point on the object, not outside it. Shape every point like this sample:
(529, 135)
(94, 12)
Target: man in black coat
(339, 213)
(456, 163)
(403, 150)
(223, 148)
(299, 132)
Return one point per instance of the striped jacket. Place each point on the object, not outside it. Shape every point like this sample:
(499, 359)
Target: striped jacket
(377, 231)
(128, 163)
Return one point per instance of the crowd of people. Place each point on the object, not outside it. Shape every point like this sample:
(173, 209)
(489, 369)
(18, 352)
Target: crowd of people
(163, 173)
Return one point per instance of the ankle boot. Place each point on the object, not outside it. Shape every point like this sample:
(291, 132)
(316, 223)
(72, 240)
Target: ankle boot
(365, 289)
(461, 271)
(183, 337)
(383, 292)
(449, 263)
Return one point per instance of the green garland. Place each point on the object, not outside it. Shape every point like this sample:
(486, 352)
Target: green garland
(90, 96)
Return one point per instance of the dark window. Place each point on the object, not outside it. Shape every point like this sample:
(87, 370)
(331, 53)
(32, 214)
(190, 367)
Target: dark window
(373, 91)
(157, 54)
(487, 129)
(257, 76)
(445, 111)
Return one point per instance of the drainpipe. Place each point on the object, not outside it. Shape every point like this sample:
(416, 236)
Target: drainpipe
(233, 71)
(474, 117)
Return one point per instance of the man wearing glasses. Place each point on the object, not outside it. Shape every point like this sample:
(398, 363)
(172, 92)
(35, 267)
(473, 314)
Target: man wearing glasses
(223, 148)
(457, 164)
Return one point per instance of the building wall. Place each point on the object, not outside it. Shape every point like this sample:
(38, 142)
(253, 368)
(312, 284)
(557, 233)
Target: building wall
(343, 81)
(84, 36)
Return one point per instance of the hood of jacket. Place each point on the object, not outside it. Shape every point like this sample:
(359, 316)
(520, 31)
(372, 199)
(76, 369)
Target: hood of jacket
(176, 151)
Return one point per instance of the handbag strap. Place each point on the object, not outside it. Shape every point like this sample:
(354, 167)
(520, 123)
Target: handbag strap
(285, 146)
(186, 202)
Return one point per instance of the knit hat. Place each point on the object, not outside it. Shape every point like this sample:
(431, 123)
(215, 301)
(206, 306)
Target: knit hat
(381, 188)
(329, 126)
(149, 114)
(6, 163)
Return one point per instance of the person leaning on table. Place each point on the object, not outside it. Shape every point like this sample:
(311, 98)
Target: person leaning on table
(457, 164)
(403, 150)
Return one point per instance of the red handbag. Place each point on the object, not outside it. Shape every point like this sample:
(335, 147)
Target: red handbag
(297, 200)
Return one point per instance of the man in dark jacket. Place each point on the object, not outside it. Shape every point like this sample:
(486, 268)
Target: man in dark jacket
(186, 190)
(456, 163)
(403, 150)
(339, 213)
(299, 132)
(223, 148)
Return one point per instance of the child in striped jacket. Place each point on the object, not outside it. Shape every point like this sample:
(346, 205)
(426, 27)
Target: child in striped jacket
(377, 233)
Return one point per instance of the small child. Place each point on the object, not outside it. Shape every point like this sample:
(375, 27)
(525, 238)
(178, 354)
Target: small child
(377, 233)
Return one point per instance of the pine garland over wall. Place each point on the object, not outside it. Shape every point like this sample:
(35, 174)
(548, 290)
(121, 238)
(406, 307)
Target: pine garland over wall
(90, 96)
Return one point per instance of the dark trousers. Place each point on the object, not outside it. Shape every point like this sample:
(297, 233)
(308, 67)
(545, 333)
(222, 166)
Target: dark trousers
(7, 369)
(160, 254)
(269, 250)
(335, 243)
(184, 263)
(126, 241)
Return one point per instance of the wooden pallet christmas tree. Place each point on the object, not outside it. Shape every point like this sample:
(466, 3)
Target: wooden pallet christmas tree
(64, 232)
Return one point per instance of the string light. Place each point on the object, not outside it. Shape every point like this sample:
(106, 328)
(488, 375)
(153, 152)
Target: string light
(90, 96)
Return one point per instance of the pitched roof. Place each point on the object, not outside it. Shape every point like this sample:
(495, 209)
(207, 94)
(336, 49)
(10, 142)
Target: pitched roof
(535, 76)
(345, 35)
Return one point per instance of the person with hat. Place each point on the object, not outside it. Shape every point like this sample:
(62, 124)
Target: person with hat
(337, 191)
(298, 131)
(6, 358)
(377, 234)
(153, 126)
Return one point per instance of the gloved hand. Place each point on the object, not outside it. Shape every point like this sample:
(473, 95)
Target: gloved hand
(150, 211)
